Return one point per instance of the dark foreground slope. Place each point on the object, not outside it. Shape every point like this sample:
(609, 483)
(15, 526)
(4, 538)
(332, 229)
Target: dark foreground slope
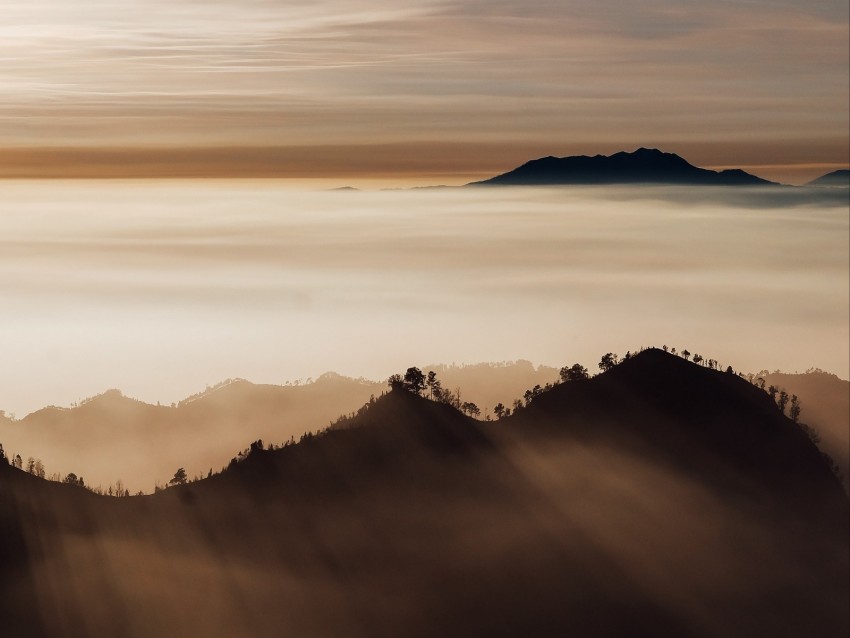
(657, 499)
(826, 408)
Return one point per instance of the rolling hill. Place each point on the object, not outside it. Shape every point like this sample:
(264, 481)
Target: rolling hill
(659, 498)
(205, 431)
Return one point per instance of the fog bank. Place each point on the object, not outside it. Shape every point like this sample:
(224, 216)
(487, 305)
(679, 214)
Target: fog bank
(159, 288)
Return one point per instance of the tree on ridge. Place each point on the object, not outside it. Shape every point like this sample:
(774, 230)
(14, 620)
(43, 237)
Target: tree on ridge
(180, 477)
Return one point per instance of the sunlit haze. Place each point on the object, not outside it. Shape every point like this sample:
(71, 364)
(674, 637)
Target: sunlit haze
(424, 318)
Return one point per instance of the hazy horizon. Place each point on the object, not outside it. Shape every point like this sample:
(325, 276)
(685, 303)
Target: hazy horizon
(419, 90)
(161, 288)
(385, 167)
(206, 386)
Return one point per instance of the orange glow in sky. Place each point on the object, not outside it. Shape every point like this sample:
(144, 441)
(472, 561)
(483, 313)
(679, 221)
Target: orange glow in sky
(423, 91)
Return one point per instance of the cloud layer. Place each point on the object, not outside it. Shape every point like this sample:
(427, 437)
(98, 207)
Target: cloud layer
(161, 288)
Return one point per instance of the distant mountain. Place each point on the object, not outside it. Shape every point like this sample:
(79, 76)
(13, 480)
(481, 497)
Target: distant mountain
(660, 498)
(835, 178)
(111, 437)
(206, 430)
(643, 166)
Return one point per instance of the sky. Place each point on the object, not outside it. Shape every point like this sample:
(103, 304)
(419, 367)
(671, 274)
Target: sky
(417, 91)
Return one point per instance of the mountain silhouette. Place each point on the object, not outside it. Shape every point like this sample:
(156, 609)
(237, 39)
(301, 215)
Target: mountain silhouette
(658, 498)
(835, 178)
(643, 166)
(204, 431)
(699, 419)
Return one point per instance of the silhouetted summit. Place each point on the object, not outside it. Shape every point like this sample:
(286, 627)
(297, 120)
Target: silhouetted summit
(835, 178)
(411, 420)
(399, 432)
(708, 422)
(643, 166)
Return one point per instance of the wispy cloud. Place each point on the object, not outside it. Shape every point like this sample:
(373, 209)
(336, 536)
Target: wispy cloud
(345, 71)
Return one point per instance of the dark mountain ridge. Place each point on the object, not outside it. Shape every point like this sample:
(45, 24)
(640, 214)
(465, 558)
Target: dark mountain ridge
(659, 403)
(643, 166)
(840, 177)
(659, 498)
(203, 430)
(703, 421)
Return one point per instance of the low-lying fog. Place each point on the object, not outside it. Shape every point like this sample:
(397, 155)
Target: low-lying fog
(159, 288)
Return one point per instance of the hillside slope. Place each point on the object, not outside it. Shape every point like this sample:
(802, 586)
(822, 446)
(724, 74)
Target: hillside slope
(660, 498)
(205, 431)
(825, 401)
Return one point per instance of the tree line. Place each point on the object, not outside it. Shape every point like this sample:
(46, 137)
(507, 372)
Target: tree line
(414, 380)
(36, 468)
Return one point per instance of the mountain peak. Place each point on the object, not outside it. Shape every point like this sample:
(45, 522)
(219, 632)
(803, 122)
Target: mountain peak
(840, 177)
(408, 418)
(642, 166)
(692, 416)
(643, 151)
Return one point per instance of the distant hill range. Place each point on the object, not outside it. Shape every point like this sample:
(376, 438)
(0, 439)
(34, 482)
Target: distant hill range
(835, 178)
(206, 430)
(643, 166)
(659, 498)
